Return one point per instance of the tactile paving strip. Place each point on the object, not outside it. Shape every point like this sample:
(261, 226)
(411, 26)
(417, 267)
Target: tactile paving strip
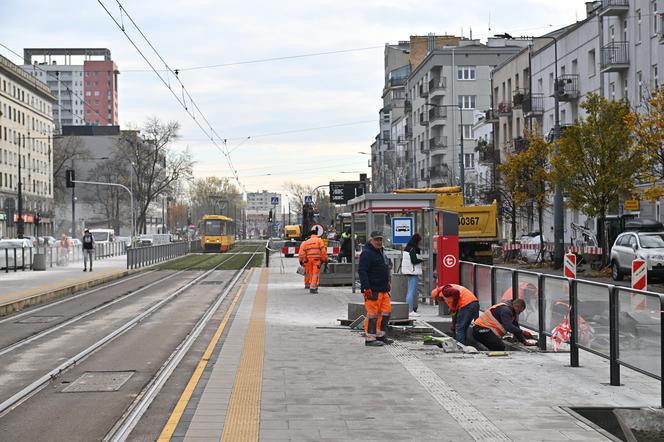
(470, 418)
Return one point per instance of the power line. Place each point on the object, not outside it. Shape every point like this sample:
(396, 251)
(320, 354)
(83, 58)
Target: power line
(182, 101)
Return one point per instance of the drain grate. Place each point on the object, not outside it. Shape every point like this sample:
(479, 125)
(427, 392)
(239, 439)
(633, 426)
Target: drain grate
(99, 381)
(38, 319)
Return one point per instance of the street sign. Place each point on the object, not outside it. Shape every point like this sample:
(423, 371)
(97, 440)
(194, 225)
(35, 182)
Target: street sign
(449, 261)
(343, 191)
(319, 229)
(274, 200)
(632, 205)
(308, 199)
(402, 230)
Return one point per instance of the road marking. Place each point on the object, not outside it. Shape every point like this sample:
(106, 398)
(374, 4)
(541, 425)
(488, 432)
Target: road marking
(243, 416)
(478, 426)
(178, 411)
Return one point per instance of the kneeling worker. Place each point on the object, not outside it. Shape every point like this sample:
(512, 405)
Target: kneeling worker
(490, 327)
(463, 306)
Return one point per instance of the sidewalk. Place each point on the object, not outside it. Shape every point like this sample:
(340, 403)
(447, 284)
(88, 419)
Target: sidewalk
(23, 288)
(313, 380)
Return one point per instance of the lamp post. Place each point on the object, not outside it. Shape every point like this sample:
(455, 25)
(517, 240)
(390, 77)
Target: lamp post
(20, 225)
(462, 166)
(558, 210)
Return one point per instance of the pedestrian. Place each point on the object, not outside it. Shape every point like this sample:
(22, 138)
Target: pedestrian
(411, 265)
(63, 250)
(312, 253)
(88, 249)
(463, 305)
(374, 274)
(345, 254)
(494, 323)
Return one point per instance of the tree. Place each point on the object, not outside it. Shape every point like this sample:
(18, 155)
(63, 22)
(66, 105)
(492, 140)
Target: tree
(214, 195)
(512, 190)
(156, 167)
(66, 149)
(648, 129)
(597, 160)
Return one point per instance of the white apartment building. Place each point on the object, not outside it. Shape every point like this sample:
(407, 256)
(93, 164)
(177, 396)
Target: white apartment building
(261, 202)
(26, 141)
(480, 173)
(445, 90)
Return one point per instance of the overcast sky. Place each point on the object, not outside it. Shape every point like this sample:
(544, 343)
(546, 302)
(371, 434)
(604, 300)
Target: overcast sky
(258, 100)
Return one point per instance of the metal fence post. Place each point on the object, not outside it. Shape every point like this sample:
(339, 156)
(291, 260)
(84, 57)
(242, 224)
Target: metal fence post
(515, 284)
(14, 259)
(614, 342)
(494, 296)
(574, 324)
(661, 348)
(541, 316)
(267, 256)
(23, 259)
(474, 273)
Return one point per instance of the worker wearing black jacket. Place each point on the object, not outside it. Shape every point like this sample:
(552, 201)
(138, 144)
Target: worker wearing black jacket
(498, 320)
(375, 284)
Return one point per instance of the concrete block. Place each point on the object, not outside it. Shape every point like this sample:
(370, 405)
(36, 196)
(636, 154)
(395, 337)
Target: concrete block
(339, 267)
(399, 287)
(356, 309)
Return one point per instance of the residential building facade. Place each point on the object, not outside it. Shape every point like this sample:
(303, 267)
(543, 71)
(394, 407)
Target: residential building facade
(26, 142)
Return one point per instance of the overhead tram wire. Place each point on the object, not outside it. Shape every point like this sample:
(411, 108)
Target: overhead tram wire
(181, 101)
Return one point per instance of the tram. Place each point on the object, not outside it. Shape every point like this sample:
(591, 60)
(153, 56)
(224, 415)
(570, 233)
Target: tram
(217, 233)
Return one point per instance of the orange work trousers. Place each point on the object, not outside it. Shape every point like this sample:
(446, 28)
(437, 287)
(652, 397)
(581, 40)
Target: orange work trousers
(378, 316)
(311, 273)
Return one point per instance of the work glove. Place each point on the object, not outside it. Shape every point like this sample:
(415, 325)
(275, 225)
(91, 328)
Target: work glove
(369, 295)
(527, 334)
(530, 342)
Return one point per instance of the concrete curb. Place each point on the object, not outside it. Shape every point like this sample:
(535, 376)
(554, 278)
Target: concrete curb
(49, 295)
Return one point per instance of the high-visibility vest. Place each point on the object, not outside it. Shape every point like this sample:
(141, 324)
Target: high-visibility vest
(465, 296)
(487, 320)
(313, 249)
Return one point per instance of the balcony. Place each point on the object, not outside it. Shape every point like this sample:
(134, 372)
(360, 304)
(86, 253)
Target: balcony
(490, 116)
(614, 7)
(408, 105)
(504, 109)
(438, 145)
(437, 86)
(533, 105)
(396, 81)
(568, 87)
(438, 116)
(518, 96)
(423, 92)
(615, 56)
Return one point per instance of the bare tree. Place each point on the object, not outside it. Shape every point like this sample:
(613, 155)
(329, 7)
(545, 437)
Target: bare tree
(214, 195)
(65, 150)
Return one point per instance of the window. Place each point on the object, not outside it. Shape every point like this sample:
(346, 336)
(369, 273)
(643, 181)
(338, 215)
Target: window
(612, 33)
(96, 93)
(625, 90)
(612, 90)
(638, 26)
(87, 93)
(655, 78)
(467, 101)
(591, 62)
(551, 83)
(653, 16)
(466, 73)
(468, 160)
(466, 130)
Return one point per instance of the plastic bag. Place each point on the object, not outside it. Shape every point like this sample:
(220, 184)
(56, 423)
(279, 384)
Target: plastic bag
(300, 270)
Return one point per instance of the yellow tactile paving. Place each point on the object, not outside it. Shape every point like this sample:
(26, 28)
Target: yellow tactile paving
(176, 415)
(243, 416)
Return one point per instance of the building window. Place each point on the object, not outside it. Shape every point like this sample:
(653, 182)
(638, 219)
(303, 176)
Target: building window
(591, 63)
(625, 90)
(653, 16)
(466, 73)
(639, 82)
(655, 78)
(468, 160)
(466, 130)
(467, 101)
(551, 83)
(612, 90)
(638, 26)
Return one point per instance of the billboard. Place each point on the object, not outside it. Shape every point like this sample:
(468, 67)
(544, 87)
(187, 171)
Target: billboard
(343, 191)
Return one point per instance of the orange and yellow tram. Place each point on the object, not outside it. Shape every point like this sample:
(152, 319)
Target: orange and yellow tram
(217, 233)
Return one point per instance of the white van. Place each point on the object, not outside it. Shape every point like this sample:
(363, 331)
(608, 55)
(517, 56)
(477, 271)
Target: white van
(103, 235)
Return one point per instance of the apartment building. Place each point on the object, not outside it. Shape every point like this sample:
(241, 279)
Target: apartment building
(26, 143)
(445, 90)
(83, 80)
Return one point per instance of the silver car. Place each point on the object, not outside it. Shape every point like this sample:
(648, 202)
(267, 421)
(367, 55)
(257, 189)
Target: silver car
(629, 246)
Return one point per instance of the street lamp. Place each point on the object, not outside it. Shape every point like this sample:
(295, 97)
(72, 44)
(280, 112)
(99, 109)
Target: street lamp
(462, 172)
(558, 211)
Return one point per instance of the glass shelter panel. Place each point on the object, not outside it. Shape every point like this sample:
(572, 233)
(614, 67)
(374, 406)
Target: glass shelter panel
(593, 306)
(483, 287)
(528, 289)
(639, 331)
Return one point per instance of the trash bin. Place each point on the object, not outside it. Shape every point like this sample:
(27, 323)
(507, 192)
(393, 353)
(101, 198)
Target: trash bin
(39, 261)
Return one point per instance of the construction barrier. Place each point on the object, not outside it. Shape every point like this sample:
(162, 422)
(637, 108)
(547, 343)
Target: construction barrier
(570, 266)
(639, 275)
(586, 250)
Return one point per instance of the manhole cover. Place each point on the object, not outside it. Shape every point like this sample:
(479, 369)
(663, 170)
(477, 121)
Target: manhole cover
(38, 319)
(211, 282)
(99, 381)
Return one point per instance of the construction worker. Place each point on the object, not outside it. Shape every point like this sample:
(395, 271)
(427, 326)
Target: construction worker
(346, 246)
(312, 253)
(374, 274)
(494, 323)
(463, 305)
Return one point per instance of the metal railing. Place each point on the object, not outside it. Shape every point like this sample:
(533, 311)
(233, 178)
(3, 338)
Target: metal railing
(22, 258)
(623, 325)
(144, 256)
(615, 53)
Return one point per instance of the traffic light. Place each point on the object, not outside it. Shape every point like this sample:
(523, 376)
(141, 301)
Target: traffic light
(269, 217)
(37, 217)
(69, 178)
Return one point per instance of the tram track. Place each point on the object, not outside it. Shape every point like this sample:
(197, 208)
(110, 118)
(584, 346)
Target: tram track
(10, 403)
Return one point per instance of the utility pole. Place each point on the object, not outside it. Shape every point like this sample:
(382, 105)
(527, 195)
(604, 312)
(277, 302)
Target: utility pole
(20, 225)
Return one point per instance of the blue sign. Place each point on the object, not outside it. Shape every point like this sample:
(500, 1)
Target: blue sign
(274, 200)
(402, 230)
(308, 199)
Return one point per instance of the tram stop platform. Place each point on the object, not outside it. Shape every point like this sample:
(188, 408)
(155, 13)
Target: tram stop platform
(22, 288)
(287, 370)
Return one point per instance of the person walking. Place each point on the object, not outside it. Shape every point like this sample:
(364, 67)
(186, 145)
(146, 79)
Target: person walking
(345, 254)
(88, 249)
(491, 325)
(463, 305)
(374, 275)
(411, 265)
(312, 253)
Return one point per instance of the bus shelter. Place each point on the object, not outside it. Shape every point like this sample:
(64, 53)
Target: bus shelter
(382, 211)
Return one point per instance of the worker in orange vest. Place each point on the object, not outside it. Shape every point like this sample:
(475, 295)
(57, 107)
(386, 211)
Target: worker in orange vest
(463, 304)
(526, 291)
(494, 323)
(312, 253)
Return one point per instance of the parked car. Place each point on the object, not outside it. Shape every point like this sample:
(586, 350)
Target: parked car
(533, 255)
(22, 247)
(629, 246)
(103, 235)
(124, 239)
